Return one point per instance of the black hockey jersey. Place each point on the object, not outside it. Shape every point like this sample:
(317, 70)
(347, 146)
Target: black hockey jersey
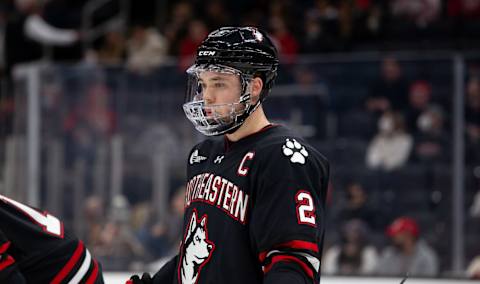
(35, 248)
(252, 205)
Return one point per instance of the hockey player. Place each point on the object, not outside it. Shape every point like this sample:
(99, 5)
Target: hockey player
(35, 248)
(255, 198)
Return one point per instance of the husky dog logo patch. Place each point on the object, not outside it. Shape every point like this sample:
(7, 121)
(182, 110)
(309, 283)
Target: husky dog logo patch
(196, 250)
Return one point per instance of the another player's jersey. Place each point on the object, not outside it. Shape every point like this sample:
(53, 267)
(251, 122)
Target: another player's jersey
(36, 244)
(251, 205)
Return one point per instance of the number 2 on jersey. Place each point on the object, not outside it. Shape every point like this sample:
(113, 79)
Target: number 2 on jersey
(49, 223)
(305, 208)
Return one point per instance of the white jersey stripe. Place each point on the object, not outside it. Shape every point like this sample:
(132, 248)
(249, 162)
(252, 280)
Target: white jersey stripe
(313, 260)
(83, 269)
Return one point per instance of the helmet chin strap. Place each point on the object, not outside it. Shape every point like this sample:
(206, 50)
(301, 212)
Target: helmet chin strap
(243, 117)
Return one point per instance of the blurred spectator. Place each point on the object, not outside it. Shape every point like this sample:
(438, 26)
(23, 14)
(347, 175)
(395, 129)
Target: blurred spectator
(475, 208)
(345, 17)
(153, 237)
(52, 97)
(162, 239)
(175, 219)
(112, 51)
(315, 39)
(117, 246)
(419, 97)
(7, 107)
(177, 26)
(3, 21)
(473, 270)
(216, 15)
(473, 109)
(321, 28)
(469, 9)
(390, 91)
(464, 21)
(357, 206)
(197, 32)
(328, 12)
(287, 43)
(368, 21)
(95, 114)
(472, 120)
(146, 49)
(87, 127)
(391, 146)
(354, 256)
(27, 32)
(432, 140)
(419, 12)
(67, 14)
(409, 253)
(95, 220)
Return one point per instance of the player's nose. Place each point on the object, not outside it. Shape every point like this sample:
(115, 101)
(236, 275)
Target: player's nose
(208, 97)
(209, 248)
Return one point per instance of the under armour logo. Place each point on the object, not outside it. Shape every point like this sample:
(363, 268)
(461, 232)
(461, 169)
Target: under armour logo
(218, 159)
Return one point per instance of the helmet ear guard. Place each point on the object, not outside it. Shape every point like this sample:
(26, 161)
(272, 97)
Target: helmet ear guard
(247, 52)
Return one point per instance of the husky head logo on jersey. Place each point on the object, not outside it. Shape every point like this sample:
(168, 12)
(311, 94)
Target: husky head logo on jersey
(196, 250)
(224, 85)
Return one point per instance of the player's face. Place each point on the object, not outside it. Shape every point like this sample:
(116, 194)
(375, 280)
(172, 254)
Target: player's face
(219, 89)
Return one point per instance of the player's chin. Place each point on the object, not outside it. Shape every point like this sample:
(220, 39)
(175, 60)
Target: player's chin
(218, 117)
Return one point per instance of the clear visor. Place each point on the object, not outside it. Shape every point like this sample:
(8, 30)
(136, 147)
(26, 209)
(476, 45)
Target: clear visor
(216, 96)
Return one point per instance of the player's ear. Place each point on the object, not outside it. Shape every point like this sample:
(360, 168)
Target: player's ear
(256, 89)
(203, 222)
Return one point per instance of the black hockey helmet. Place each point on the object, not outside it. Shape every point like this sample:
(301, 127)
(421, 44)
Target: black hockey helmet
(245, 51)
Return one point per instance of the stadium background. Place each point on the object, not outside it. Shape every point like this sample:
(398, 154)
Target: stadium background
(94, 132)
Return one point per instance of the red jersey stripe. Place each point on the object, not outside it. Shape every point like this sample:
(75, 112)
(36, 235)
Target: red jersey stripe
(70, 264)
(289, 258)
(7, 262)
(4, 247)
(304, 245)
(91, 279)
(295, 244)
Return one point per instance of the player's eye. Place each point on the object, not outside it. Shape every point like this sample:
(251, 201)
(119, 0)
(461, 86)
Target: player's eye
(199, 88)
(219, 85)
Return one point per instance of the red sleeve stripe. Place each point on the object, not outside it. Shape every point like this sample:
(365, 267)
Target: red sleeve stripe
(300, 245)
(7, 262)
(4, 247)
(91, 279)
(70, 264)
(296, 244)
(289, 258)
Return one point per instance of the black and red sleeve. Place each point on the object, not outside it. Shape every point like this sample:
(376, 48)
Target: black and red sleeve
(9, 272)
(287, 221)
(166, 274)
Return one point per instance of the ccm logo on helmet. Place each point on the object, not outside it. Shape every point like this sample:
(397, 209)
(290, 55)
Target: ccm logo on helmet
(206, 53)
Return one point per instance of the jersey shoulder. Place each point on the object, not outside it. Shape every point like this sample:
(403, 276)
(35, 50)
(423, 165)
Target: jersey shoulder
(283, 146)
(29, 226)
(207, 145)
(203, 151)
